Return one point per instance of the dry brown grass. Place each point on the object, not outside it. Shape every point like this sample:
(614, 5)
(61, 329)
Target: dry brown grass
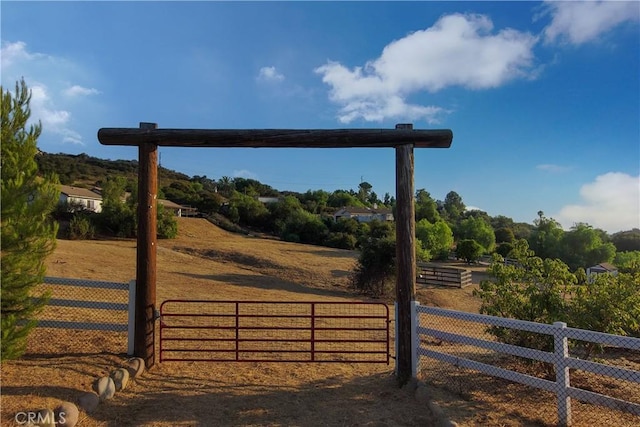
(204, 262)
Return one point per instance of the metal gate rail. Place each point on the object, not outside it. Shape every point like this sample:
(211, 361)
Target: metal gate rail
(273, 331)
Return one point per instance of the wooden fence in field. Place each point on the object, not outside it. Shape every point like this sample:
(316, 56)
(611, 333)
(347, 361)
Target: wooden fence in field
(434, 274)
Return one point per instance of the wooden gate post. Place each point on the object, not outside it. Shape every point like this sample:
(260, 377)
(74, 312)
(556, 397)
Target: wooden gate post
(405, 257)
(144, 345)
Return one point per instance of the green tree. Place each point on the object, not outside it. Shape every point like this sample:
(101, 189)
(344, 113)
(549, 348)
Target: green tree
(341, 198)
(627, 262)
(627, 240)
(469, 250)
(315, 201)
(117, 217)
(504, 235)
(546, 238)
(364, 190)
(479, 230)
(546, 291)
(28, 233)
(426, 207)
(532, 289)
(250, 211)
(304, 227)
(453, 207)
(167, 225)
(436, 238)
(376, 265)
(583, 247)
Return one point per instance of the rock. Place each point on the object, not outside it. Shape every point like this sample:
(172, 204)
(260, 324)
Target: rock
(135, 366)
(88, 402)
(105, 387)
(121, 378)
(422, 395)
(45, 418)
(67, 414)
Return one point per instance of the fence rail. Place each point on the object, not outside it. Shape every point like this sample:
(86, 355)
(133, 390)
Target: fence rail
(560, 357)
(129, 307)
(433, 274)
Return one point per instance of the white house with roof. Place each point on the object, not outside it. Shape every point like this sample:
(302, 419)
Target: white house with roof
(84, 197)
(364, 214)
(602, 268)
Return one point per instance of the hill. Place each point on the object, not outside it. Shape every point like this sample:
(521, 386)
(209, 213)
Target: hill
(84, 169)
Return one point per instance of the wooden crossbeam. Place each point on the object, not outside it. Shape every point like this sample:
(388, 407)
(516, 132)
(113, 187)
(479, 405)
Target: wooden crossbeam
(277, 138)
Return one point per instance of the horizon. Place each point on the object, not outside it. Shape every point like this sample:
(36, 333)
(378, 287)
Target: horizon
(543, 98)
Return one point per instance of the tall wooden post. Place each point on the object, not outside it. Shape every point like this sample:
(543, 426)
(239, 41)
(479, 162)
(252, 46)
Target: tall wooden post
(405, 256)
(144, 345)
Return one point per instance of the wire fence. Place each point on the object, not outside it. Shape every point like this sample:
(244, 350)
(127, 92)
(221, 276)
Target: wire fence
(83, 317)
(560, 375)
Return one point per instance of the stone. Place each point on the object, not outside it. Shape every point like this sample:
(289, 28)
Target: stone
(67, 414)
(88, 402)
(121, 378)
(105, 387)
(45, 418)
(422, 395)
(135, 366)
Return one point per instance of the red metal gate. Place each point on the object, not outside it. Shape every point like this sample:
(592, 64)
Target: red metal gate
(259, 331)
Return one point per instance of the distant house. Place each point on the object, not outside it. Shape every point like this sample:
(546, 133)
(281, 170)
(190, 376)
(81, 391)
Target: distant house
(90, 200)
(171, 206)
(602, 268)
(364, 214)
(267, 200)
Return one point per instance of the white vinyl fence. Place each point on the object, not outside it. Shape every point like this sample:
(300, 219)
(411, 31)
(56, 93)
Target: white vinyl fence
(559, 358)
(99, 309)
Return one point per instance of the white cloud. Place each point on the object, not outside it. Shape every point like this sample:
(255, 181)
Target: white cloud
(77, 90)
(611, 202)
(269, 74)
(244, 173)
(459, 50)
(578, 22)
(48, 78)
(549, 167)
(52, 119)
(15, 52)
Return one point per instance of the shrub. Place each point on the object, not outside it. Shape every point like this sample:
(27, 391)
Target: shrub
(341, 240)
(469, 250)
(81, 228)
(376, 266)
(167, 224)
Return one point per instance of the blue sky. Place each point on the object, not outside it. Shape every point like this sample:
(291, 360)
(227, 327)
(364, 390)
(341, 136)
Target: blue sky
(543, 98)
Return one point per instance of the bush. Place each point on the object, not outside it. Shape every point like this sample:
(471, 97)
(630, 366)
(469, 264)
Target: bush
(504, 248)
(341, 240)
(81, 228)
(167, 224)
(469, 250)
(376, 266)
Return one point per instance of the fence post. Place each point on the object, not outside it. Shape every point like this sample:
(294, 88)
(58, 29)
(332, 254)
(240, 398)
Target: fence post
(395, 337)
(131, 317)
(561, 350)
(415, 322)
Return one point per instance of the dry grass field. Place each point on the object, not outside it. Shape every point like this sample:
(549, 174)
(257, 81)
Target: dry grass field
(205, 262)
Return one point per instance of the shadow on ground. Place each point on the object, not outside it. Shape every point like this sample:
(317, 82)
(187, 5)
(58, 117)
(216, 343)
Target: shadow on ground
(266, 282)
(199, 401)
